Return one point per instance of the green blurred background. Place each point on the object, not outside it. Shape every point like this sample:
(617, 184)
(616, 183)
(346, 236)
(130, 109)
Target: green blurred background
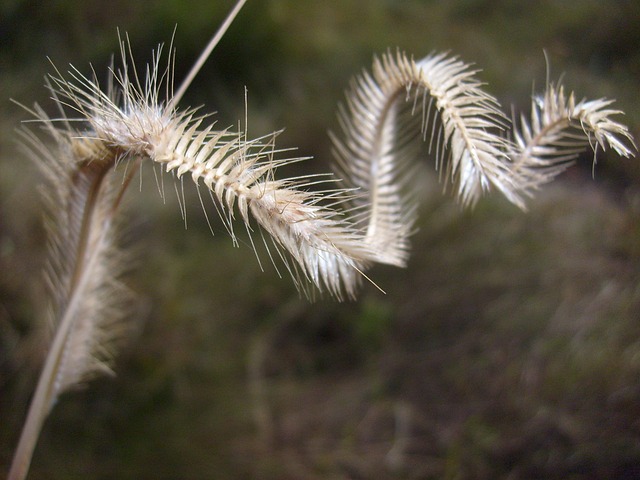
(509, 348)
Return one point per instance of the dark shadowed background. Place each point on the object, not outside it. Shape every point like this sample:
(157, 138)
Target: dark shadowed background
(509, 348)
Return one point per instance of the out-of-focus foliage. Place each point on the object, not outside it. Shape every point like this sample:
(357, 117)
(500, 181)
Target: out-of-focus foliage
(508, 349)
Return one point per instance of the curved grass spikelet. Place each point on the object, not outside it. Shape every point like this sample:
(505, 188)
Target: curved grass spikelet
(438, 100)
(378, 138)
(239, 173)
(317, 244)
(558, 129)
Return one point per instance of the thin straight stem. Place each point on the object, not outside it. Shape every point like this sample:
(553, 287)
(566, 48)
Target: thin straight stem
(47, 390)
(205, 53)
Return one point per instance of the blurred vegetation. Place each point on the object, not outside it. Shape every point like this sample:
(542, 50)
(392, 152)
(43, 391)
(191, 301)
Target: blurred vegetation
(509, 348)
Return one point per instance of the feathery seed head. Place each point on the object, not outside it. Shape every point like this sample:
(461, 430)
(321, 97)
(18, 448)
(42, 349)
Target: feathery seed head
(439, 93)
(317, 244)
(559, 129)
